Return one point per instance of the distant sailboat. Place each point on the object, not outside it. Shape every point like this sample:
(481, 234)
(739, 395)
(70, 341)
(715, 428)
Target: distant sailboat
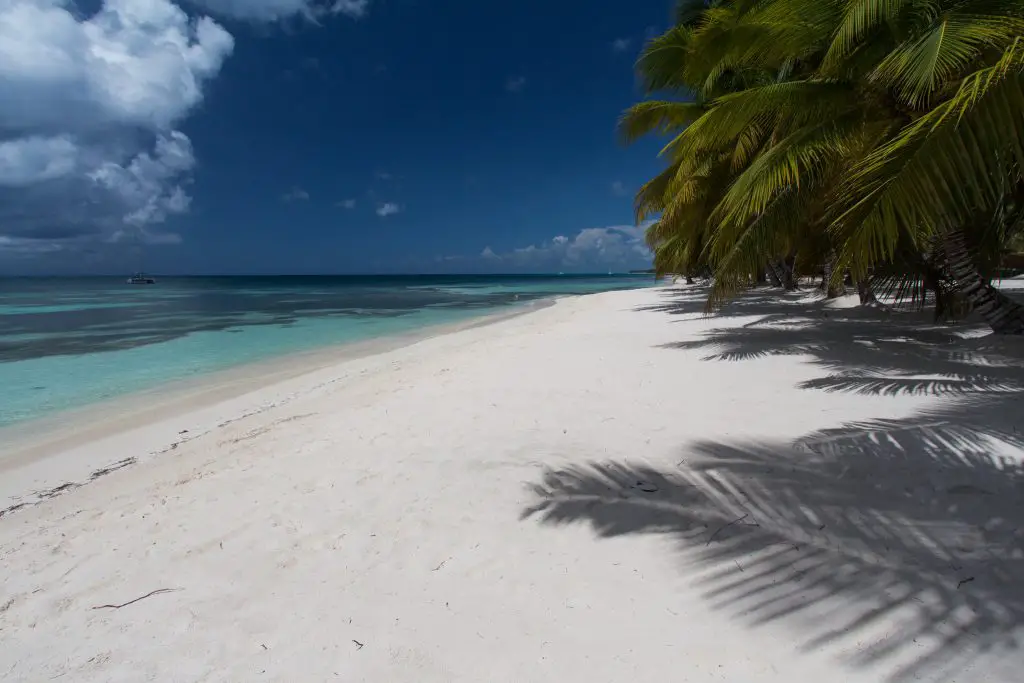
(141, 279)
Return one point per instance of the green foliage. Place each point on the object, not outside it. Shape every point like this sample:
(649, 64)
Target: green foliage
(853, 131)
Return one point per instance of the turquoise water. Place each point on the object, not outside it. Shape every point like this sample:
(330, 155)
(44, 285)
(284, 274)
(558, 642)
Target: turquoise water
(67, 343)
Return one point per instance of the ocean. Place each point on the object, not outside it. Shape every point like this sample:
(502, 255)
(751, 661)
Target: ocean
(68, 343)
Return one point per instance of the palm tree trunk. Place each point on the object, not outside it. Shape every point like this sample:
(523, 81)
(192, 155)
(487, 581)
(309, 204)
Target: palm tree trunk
(867, 296)
(1001, 313)
(932, 280)
(789, 273)
(773, 274)
(832, 289)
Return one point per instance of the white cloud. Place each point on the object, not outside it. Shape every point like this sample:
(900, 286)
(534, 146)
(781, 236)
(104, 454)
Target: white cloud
(387, 209)
(347, 203)
(88, 110)
(296, 194)
(146, 183)
(515, 84)
(136, 63)
(621, 44)
(619, 188)
(271, 10)
(616, 248)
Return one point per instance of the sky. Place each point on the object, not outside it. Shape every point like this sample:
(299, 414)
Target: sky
(320, 136)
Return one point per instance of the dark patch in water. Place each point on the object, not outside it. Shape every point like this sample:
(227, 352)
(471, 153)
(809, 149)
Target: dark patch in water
(177, 307)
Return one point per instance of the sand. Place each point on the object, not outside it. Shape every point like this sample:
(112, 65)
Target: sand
(610, 489)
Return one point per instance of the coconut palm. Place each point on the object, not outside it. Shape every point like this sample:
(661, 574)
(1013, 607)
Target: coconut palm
(842, 131)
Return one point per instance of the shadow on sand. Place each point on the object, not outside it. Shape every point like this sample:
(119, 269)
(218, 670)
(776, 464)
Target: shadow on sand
(846, 532)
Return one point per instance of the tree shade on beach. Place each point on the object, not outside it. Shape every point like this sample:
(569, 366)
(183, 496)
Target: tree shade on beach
(876, 140)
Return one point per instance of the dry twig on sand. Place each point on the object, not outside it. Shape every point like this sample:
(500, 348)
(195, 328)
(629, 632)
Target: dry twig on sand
(158, 591)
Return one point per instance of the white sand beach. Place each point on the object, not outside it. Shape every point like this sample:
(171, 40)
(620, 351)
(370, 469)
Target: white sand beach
(614, 488)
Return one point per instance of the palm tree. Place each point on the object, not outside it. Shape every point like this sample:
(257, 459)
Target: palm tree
(839, 130)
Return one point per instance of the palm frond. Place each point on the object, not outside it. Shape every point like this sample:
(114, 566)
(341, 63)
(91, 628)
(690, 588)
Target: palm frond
(745, 251)
(729, 116)
(861, 17)
(651, 197)
(942, 169)
(919, 67)
(794, 163)
(663, 59)
(658, 117)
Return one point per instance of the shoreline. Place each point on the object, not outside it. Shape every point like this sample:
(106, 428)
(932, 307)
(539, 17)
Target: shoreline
(29, 444)
(611, 485)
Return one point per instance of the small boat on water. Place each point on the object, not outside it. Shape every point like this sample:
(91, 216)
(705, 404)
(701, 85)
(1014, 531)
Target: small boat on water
(141, 279)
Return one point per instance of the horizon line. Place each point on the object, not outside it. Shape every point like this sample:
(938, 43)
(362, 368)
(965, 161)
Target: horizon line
(368, 274)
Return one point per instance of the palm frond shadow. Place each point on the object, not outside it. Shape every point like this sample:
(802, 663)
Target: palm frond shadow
(769, 304)
(691, 301)
(847, 532)
(880, 357)
(891, 544)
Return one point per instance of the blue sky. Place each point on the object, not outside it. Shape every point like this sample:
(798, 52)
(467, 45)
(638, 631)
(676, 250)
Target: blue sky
(320, 136)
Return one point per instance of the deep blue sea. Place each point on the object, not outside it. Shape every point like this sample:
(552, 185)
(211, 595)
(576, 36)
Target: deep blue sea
(66, 343)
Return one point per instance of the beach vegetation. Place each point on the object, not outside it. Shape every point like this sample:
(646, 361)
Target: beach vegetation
(876, 144)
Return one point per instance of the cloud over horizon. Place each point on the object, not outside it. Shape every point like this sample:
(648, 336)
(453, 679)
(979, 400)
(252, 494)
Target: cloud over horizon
(89, 148)
(616, 248)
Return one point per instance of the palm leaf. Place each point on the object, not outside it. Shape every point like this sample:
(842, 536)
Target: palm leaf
(663, 59)
(938, 172)
(862, 17)
(796, 162)
(745, 251)
(650, 198)
(917, 68)
(657, 116)
(729, 116)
